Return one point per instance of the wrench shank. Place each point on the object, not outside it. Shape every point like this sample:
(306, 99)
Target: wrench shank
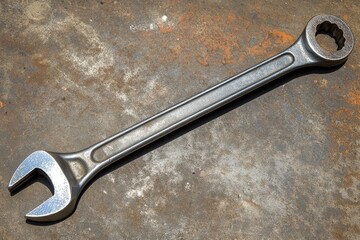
(186, 111)
(119, 145)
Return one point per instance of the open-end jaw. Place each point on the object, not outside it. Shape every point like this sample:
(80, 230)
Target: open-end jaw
(63, 202)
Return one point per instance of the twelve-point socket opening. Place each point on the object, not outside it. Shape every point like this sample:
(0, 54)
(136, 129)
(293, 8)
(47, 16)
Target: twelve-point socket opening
(329, 36)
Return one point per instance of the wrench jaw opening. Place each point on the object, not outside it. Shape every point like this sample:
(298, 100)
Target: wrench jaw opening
(63, 202)
(335, 28)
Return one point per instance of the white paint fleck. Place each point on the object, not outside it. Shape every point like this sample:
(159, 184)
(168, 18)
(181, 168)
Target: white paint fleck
(164, 18)
(111, 177)
(187, 186)
(144, 27)
(122, 96)
(130, 73)
(130, 112)
(140, 186)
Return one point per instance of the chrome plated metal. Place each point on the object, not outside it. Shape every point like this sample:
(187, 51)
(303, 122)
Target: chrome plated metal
(70, 172)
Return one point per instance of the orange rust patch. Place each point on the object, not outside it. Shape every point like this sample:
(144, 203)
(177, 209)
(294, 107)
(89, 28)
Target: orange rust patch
(147, 35)
(353, 96)
(275, 36)
(2, 104)
(242, 58)
(165, 28)
(217, 39)
(231, 17)
(185, 18)
(175, 49)
(217, 18)
(228, 57)
(345, 17)
(282, 37)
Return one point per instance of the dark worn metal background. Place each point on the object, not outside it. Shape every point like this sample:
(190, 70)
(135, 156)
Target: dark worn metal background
(280, 164)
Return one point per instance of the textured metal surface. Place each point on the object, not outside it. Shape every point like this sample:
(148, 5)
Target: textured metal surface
(68, 173)
(297, 178)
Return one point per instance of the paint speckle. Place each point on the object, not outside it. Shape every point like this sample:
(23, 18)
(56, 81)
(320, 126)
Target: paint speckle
(143, 27)
(187, 186)
(111, 177)
(322, 83)
(164, 18)
(140, 186)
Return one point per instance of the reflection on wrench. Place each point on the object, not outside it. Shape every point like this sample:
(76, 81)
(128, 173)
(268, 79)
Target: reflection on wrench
(70, 172)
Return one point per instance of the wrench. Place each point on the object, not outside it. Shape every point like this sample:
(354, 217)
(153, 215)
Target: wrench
(70, 172)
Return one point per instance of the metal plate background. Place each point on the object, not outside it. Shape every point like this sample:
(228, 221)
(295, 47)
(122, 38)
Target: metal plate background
(280, 164)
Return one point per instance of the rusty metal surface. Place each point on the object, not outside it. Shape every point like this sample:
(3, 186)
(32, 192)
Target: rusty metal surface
(277, 164)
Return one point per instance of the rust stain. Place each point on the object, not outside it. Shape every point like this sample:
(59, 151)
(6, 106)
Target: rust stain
(2, 104)
(202, 60)
(242, 58)
(217, 19)
(266, 47)
(165, 28)
(353, 96)
(340, 232)
(185, 18)
(215, 43)
(345, 17)
(217, 39)
(231, 17)
(147, 35)
(41, 74)
(228, 56)
(348, 179)
(282, 37)
(176, 49)
(345, 124)
(39, 61)
(343, 130)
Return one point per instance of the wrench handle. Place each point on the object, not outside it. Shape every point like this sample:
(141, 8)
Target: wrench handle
(123, 143)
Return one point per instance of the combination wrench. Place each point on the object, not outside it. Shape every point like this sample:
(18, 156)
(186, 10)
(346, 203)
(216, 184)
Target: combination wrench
(70, 172)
